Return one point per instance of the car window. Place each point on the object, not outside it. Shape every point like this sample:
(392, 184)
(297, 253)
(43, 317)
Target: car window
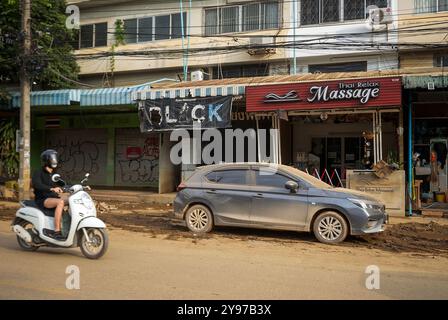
(269, 179)
(228, 176)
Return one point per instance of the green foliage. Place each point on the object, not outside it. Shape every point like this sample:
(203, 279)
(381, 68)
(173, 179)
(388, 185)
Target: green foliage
(9, 158)
(119, 40)
(51, 44)
(119, 32)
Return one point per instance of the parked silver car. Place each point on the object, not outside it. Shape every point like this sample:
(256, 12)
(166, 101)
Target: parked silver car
(260, 195)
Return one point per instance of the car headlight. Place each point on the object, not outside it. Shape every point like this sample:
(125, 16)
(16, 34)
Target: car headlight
(368, 205)
(360, 203)
(87, 201)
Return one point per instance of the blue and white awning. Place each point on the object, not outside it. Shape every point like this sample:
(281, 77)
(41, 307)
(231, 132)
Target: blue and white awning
(206, 91)
(82, 97)
(63, 97)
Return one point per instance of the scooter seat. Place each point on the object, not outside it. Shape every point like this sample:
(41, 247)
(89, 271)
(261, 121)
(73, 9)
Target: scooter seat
(32, 204)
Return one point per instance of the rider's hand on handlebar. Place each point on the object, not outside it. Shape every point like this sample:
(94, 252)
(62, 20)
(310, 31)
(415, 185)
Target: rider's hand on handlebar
(57, 190)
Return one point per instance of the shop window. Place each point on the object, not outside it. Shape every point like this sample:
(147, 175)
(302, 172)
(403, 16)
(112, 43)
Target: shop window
(248, 17)
(228, 177)
(338, 67)
(441, 60)
(91, 35)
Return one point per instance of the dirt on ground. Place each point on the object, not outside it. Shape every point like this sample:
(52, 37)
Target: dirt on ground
(417, 235)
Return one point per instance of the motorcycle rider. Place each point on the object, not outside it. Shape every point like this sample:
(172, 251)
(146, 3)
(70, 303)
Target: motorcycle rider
(46, 192)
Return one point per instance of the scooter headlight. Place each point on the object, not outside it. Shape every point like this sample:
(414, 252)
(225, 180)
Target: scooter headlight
(87, 201)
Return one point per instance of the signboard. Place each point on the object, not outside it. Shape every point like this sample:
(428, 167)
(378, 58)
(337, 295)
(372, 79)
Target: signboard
(389, 190)
(185, 113)
(359, 93)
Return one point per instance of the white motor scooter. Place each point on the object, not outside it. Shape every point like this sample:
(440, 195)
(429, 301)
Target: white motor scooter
(81, 227)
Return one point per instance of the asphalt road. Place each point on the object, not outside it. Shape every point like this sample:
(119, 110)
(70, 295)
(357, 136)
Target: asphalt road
(144, 266)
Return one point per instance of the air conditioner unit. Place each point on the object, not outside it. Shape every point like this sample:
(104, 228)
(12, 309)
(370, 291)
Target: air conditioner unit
(380, 16)
(261, 46)
(197, 75)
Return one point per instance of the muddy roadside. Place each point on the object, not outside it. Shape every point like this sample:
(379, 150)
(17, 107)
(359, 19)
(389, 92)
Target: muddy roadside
(418, 236)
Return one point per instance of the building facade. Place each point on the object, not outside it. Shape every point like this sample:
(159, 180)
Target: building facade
(235, 48)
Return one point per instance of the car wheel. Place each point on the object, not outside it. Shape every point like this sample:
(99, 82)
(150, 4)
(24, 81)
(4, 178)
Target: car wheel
(330, 227)
(199, 219)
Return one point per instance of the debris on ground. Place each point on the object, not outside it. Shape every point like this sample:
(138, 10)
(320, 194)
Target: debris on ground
(431, 238)
(102, 207)
(426, 239)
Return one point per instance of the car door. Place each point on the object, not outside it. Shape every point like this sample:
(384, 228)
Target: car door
(275, 206)
(228, 192)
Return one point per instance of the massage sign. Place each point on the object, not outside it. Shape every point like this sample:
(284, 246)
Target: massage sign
(382, 92)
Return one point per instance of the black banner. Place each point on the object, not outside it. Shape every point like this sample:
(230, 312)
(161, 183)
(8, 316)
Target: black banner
(185, 113)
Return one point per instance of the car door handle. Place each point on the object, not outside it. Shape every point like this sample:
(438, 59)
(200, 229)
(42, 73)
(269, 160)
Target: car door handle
(211, 191)
(259, 196)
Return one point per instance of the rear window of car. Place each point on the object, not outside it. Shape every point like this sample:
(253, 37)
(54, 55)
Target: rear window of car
(228, 176)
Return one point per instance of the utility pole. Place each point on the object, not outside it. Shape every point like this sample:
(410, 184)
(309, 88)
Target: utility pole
(25, 116)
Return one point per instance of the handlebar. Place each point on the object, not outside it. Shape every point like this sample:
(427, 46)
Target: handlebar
(68, 189)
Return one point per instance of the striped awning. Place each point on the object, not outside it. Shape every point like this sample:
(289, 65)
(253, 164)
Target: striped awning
(89, 97)
(114, 96)
(206, 91)
(63, 97)
(106, 97)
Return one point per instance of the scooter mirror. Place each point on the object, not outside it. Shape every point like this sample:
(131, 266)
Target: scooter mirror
(56, 177)
(86, 178)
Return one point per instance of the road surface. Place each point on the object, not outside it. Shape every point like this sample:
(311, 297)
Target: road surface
(147, 266)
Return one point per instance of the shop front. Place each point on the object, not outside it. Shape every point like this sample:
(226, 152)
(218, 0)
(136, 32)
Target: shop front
(328, 128)
(428, 115)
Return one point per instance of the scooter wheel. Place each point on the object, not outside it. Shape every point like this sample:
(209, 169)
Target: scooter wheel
(97, 246)
(22, 243)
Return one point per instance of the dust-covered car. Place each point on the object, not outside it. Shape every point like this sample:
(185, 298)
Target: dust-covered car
(258, 195)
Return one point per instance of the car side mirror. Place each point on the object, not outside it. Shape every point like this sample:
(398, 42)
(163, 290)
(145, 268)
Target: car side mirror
(56, 177)
(292, 186)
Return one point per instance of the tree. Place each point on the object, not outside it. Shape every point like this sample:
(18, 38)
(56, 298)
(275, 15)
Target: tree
(52, 61)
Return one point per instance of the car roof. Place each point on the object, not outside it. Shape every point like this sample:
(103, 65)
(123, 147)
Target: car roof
(230, 165)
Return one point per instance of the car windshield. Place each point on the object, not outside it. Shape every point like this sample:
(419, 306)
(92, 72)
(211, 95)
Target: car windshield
(316, 183)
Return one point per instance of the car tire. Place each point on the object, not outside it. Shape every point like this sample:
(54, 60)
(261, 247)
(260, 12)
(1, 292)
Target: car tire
(199, 219)
(330, 227)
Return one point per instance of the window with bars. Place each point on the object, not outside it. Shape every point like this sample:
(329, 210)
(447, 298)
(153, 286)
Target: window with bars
(91, 35)
(325, 11)
(428, 6)
(441, 60)
(338, 67)
(358, 9)
(154, 28)
(247, 17)
(255, 70)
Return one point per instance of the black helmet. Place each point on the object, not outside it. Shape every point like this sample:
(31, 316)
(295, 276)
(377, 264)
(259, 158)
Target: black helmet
(49, 158)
